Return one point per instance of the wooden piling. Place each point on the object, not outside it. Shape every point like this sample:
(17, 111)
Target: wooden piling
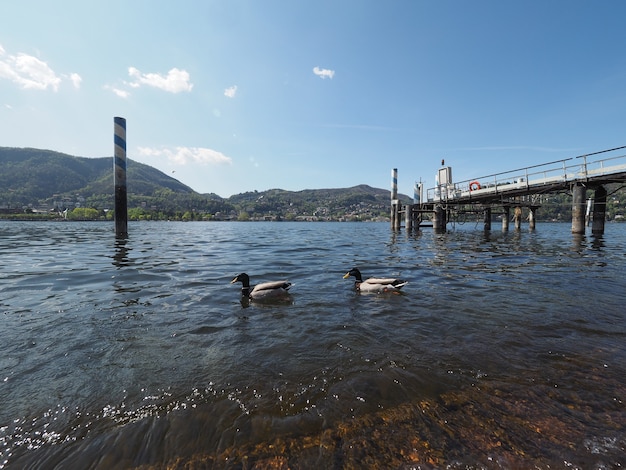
(119, 177)
(487, 218)
(599, 211)
(578, 208)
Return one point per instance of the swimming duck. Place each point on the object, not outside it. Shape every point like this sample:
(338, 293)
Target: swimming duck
(264, 290)
(374, 284)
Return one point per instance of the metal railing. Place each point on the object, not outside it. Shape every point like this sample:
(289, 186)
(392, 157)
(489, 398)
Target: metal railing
(558, 171)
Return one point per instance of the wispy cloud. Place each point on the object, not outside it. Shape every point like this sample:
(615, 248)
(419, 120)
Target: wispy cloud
(230, 92)
(184, 155)
(175, 81)
(29, 72)
(323, 73)
(118, 91)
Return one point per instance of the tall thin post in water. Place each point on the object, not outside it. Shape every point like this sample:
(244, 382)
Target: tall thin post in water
(119, 177)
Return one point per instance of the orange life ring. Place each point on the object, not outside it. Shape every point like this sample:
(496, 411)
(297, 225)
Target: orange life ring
(474, 185)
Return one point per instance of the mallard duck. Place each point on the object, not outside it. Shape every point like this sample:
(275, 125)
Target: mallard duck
(374, 284)
(264, 290)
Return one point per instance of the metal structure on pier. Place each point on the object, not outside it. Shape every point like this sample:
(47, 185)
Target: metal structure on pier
(516, 189)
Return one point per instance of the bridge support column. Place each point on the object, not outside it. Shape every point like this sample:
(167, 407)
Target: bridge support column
(599, 211)
(532, 217)
(439, 219)
(578, 208)
(517, 218)
(487, 218)
(505, 218)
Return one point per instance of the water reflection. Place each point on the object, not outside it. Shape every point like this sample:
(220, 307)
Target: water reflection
(597, 241)
(120, 258)
(580, 242)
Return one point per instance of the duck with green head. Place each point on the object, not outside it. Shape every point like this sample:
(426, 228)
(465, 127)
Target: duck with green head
(375, 284)
(265, 290)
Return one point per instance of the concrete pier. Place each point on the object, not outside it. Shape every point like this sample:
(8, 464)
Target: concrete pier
(522, 188)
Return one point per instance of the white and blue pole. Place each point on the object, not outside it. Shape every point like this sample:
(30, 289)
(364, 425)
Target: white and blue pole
(119, 177)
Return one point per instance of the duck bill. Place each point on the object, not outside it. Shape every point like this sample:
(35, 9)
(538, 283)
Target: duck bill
(346, 275)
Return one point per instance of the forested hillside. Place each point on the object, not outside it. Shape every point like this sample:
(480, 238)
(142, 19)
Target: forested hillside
(40, 181)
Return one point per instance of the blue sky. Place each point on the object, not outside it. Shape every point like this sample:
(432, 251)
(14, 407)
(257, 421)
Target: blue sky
(239, 95)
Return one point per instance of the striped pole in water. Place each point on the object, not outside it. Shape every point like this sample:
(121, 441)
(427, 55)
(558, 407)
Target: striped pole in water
(395, 207)
(416, 193)
(119, 177)
(394, 184)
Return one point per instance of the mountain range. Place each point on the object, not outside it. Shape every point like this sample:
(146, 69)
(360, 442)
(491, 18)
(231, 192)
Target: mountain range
(45, 180)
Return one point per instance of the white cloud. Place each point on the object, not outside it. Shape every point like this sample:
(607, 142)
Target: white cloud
(184, 155)
(121, 93)
(175, 81)
(76, 80)
(231, 91)
(323, 73)
(117, 91)
(27, 71)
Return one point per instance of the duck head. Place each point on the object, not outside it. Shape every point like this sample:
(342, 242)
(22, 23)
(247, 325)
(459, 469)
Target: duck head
(245, 281)
(243, 278)
(354, 272)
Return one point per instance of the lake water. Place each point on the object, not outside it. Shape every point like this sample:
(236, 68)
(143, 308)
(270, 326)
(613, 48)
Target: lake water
(505, 350)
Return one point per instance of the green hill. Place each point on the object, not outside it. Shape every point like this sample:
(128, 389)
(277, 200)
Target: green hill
(44, 180)
(32, 173)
